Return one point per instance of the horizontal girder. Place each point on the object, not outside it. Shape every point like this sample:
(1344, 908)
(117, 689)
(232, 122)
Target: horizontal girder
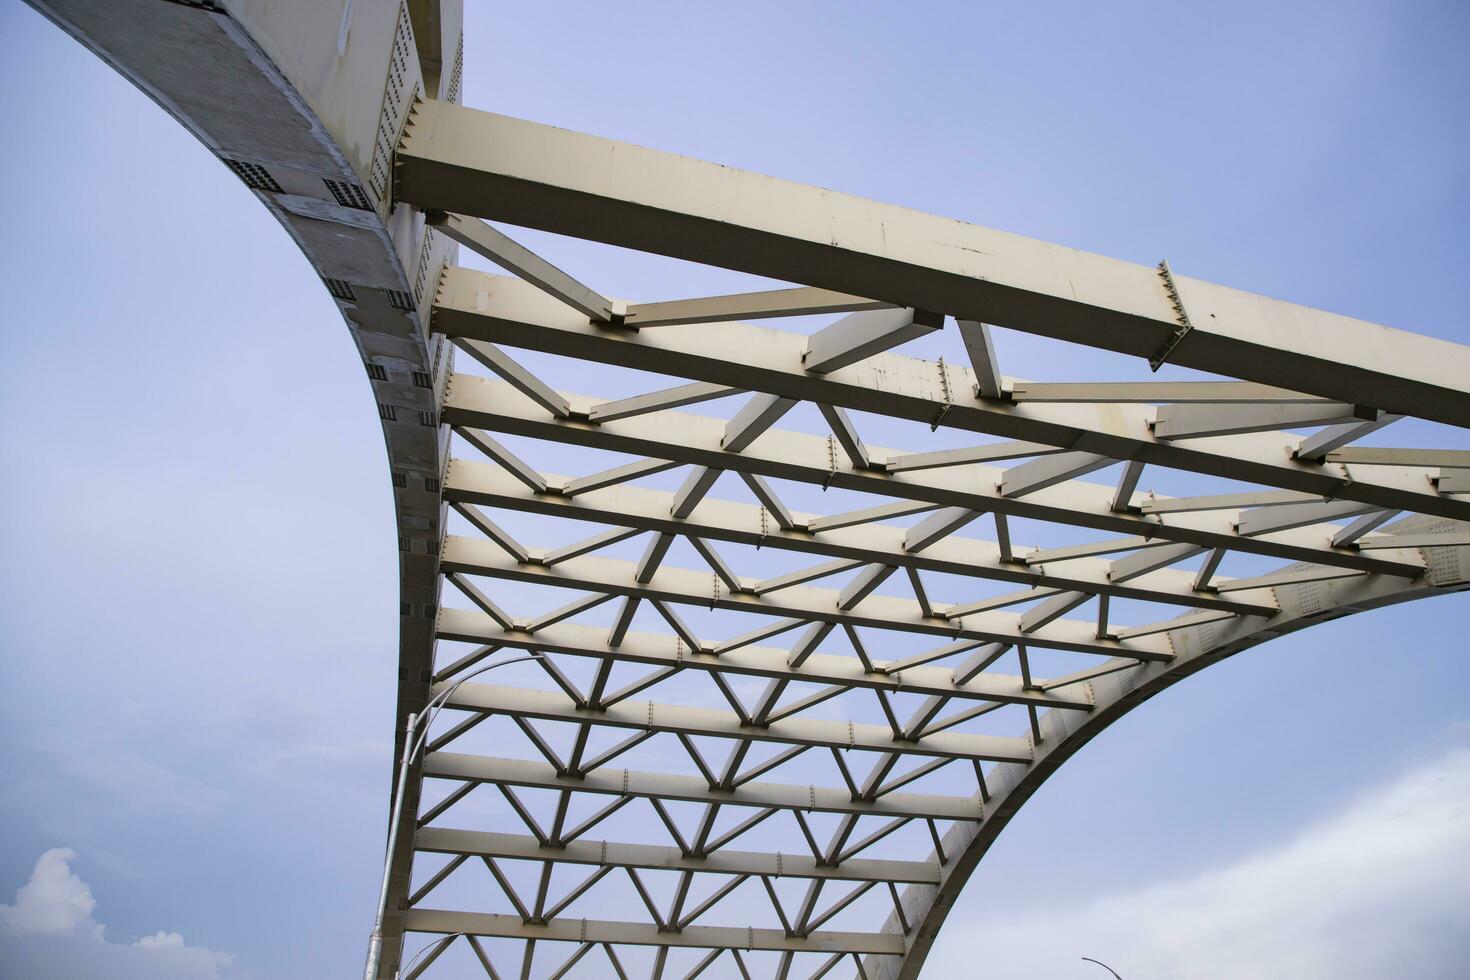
(647, 934)
(471, 481)
(481, 306)
(656, 858)
(592, 573)
(692, 789)
(475, 402)
(673, 718)
(459, 159)
(667, 651)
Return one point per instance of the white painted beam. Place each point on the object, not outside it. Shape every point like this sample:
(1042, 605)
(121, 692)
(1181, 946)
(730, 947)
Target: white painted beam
(510, 255)
(655, 857)
(458, 159)
(658, 650)
(497, 309)
(859, 336)
(647, 934)
(801, 301)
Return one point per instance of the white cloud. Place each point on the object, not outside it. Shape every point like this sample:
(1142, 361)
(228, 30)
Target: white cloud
(1377, 890)
(54, 902)
(51, 932)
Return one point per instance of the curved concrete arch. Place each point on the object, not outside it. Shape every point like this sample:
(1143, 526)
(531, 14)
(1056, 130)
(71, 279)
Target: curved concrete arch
(344, 121)
(267, 90)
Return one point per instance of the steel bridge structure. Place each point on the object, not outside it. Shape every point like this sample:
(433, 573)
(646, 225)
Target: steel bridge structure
(759, 737)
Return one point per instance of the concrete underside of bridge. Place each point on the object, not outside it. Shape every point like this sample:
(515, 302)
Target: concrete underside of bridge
(871, 726)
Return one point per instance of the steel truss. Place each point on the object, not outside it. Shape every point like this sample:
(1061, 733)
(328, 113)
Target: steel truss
(762, 740)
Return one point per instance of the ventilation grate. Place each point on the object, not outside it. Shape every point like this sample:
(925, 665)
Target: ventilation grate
(405, 609)
(341, 289)
(255, 176)
(388, 413)
(348, 195)
(431, 484)
(1444, 565)
(1309, 594)
(430, 611)
(1209, 637)
(377, 372)
(398, 94)
(427, 418)
(404, 544)
(400, 300)
(458, 74)
(400, 480)
(423, 379)
(432, 548)
(421, 276)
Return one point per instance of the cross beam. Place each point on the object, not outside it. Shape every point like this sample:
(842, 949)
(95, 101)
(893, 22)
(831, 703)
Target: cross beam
(493, 166)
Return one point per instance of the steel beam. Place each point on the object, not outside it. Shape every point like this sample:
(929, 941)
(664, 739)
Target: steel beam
(802, 301)
(823, 669)
(1048, 471)
(1269, 520)
(1444, 459)
(859, 336)
(658, 401)
(1158, 392)
(1415, 541)
(647, 934)
(855, 604)
(995, 452)
(983, 360)
(757, 415)
(1190, 421)
(1320, 444)
(654, 857)
(496, 167)
(1223, 501)
(789, 455)
(484, 307)
(1147, 560)
(510, 255)
(511, 371)
(722, 520)
(694, 789)
(673, 718)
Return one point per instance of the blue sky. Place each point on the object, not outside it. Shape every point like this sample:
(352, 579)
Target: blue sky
(197, 596)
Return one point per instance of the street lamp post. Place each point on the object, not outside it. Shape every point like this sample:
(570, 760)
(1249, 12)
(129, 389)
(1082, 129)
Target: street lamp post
(439, 945)
(414, 737)
(1100, 963)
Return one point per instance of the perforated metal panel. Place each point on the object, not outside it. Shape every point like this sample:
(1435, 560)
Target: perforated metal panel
(255, 176)
(399, 92)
